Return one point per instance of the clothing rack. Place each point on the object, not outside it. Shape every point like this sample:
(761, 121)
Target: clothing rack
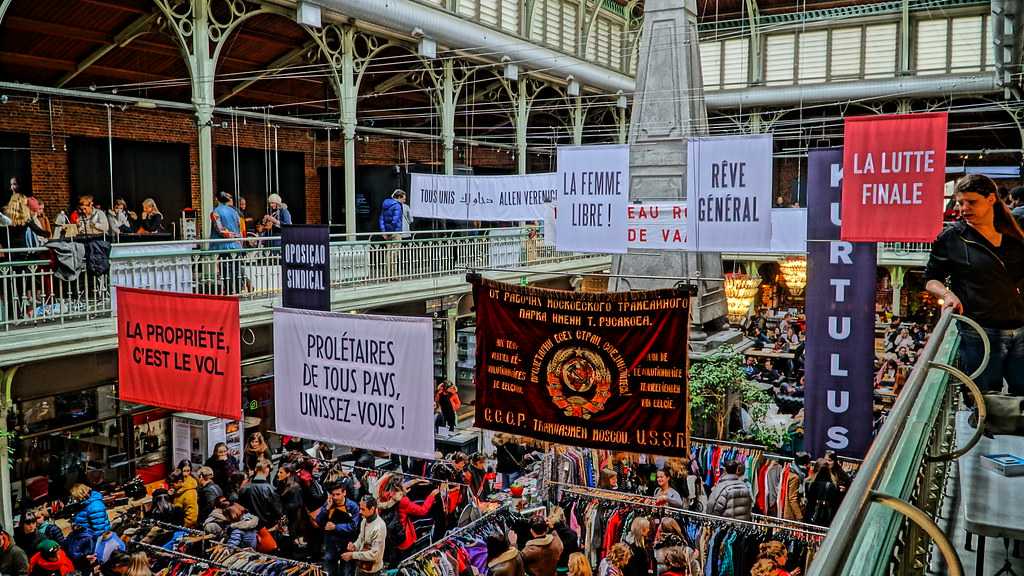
(335, 463)
(194, 532)
(183, 556)
(852, 463)
(436, 546)
(647, 502)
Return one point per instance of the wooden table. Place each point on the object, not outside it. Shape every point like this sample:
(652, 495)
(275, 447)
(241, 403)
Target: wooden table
(769, 354)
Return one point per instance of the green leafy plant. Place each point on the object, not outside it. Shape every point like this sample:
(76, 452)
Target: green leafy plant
(717, 384)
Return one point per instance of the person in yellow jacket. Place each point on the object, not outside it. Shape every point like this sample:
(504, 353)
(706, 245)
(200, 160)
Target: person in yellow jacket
(186, 495)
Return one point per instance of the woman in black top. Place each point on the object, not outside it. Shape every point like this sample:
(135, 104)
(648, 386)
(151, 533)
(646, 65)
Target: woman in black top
(982, 258)
(152, 220)
(823, 494)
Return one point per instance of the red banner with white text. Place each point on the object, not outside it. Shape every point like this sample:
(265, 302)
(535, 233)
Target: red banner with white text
(179, 351)
(894, 169)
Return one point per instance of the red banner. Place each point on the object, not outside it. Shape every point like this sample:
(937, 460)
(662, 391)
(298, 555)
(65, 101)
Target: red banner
(605, 370)
(179, 351)
(894, 169)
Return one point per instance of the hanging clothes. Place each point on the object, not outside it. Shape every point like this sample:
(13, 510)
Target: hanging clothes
(724, 547)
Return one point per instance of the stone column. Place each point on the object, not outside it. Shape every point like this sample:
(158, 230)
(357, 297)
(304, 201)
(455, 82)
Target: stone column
(669, 63)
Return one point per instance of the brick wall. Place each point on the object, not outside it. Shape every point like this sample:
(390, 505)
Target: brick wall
(50, 164)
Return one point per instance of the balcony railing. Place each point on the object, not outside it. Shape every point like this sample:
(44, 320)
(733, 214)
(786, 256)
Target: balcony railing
(33, 295)
(886, 523)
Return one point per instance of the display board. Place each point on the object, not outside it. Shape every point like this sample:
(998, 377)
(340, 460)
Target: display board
(839, 356)
(729, 185)
(179, 351)
(606, 370)
(510, 198)
(306, 267)
(357, 380)
(592, 198)
(894, 172)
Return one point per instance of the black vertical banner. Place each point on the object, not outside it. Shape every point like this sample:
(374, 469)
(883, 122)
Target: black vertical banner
(306, 267)
(840, 310)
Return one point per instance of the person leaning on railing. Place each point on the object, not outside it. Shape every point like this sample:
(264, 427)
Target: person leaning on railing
(982, 256)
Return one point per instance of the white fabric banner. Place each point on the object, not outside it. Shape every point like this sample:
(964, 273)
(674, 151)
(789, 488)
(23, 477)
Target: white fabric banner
(593, 195)
(485, 198)
(660, 226)
(789, 230)
(731, 179)
(550, 231)
(356, 380)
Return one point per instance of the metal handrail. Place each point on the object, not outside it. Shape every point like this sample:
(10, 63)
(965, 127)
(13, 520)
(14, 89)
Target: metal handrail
(336, 238)
(901, 428)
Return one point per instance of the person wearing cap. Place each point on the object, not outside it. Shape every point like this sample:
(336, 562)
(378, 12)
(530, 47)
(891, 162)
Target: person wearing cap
(50, 559)
(12, 558)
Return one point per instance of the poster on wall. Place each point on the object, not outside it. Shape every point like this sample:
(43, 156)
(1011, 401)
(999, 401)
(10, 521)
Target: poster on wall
(605, 370)
(510, 198)
(895, 169)
(840, 309)
(355, 379)
(179, 351)
(731, 179)
(306, 267)
(592, 198)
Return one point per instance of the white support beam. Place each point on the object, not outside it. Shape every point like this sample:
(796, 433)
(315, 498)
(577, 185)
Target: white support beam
(755, 63)
(136, 28)
(4, 4)
(449, 30)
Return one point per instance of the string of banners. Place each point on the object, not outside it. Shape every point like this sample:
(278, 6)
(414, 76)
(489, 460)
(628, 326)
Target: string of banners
(894, 193)
(605, 370)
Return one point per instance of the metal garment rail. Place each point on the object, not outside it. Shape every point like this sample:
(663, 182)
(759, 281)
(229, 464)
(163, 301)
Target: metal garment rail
(486, 518)
(637, 500)
(834, 554)
(191, 558)
(334, 463)
(763, 449)
(248, 551)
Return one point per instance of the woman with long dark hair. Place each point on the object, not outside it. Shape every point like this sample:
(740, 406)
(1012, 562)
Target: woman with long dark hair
(982, 256)
(823, 495)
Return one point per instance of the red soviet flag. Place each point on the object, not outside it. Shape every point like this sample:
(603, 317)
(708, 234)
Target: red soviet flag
(179, 351)
(894, 169)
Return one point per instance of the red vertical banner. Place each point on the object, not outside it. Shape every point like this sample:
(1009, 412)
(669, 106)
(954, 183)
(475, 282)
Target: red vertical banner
(894, 169)
(179, 351)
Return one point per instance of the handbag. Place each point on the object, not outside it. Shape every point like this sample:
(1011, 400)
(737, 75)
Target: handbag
(455, 400)
(1004, 415)
(265, 542)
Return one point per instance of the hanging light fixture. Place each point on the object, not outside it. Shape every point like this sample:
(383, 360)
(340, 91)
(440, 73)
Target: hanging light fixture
(794, 272)
(740, 291)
